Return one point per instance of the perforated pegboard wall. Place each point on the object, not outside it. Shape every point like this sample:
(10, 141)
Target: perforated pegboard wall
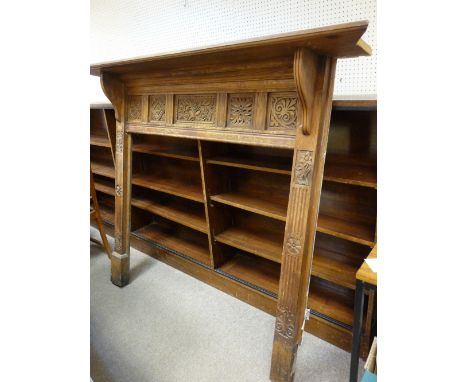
(128, 28)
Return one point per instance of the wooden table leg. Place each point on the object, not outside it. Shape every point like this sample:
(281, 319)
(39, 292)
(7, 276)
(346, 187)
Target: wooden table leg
(357, 325)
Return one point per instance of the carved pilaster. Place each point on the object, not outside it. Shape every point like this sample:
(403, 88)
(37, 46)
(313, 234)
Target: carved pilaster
(314, 80)
(120, 262)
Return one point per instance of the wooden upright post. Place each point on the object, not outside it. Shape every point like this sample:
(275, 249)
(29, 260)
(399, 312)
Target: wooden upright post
(314, 78)
(120, 260)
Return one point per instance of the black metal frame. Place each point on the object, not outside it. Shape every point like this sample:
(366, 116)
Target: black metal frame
(361, 286)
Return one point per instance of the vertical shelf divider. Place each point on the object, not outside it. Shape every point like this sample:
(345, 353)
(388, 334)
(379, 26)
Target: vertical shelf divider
(216, 221)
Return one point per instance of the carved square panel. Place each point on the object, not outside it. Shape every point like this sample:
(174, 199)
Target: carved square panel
(241, 109)
(134, 108)
(195, 108)
(157, 108)
(283, 111)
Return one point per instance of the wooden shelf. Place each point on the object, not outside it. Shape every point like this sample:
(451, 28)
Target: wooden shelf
(103, 169)
(182, 242)
(261, 243)
(355, 232)
(97, 140)
(254, 270)
(172, 211)
(265, 207)
(358, 175)
(339, 272)
(107, 213)
(271, 165)
(106, 188)
(154, 150)
(170, 186)
(332, 302)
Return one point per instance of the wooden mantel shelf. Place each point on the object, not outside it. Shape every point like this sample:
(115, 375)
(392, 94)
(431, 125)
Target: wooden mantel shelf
(225, 146)
(342, 40)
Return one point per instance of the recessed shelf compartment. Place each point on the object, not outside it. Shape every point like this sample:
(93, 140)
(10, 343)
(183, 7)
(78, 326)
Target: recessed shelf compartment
(352, 148)
(348, 212)
(104, 184)
(254, 158)
(337, 260)
(176, 209)
(102, 141)
(102, 162)
(350, 171)
(331, 300)
(252, 233)
(168, 175)
(261, 193)
(176, 238)
(253, 271)
(176, 148)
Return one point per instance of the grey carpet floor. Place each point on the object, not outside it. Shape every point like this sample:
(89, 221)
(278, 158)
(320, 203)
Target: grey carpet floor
(166, 326)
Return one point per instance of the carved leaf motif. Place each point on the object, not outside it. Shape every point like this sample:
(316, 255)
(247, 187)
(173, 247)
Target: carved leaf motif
(119, 142)
(134, 108)
(293, 246)
(196, 108)
(283, 112)
(157, 108)
(285, 322)
(303, 167)
(241, 111)
(118, 190)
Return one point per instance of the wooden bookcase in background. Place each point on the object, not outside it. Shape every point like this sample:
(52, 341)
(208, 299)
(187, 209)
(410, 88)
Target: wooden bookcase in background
(247, 191)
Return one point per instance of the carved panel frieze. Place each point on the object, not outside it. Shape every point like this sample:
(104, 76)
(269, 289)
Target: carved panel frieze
(134, 108)
(283, 110)
(303, 167)
(198, 108)
(285, 322)
(157, 108)
(240, 110)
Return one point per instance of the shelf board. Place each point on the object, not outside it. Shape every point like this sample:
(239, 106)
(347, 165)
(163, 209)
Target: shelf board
(358, 175)
(173, 212)
(107, 213)
(339, 272)
(246, 202)
(153, 150)
(274, 166)
(253, 270)
(331, 303)
(261, 243)
(170, 186)
(187, 245)
(355, 232)
(105, 188)
(97, 140)
(103, 169)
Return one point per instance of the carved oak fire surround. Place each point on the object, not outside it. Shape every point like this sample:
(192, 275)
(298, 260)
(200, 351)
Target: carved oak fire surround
(272, 92)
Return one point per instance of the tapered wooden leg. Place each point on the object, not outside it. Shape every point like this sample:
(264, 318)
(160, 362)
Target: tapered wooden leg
(314, 81)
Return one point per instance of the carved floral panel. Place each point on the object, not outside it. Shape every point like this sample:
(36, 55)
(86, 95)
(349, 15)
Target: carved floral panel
(157, 108)
(134, 108)
(283, 111)
(195, 108)
(303, 167)
(240, 110)
(285, 322)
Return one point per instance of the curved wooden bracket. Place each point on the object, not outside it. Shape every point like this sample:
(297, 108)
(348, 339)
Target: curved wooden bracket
(113, 88)
(306, 65)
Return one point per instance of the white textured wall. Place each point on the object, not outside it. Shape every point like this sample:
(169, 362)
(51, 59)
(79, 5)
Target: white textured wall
(128, 28)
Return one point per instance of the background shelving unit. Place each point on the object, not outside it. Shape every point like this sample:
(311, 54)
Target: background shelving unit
(217, 211)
